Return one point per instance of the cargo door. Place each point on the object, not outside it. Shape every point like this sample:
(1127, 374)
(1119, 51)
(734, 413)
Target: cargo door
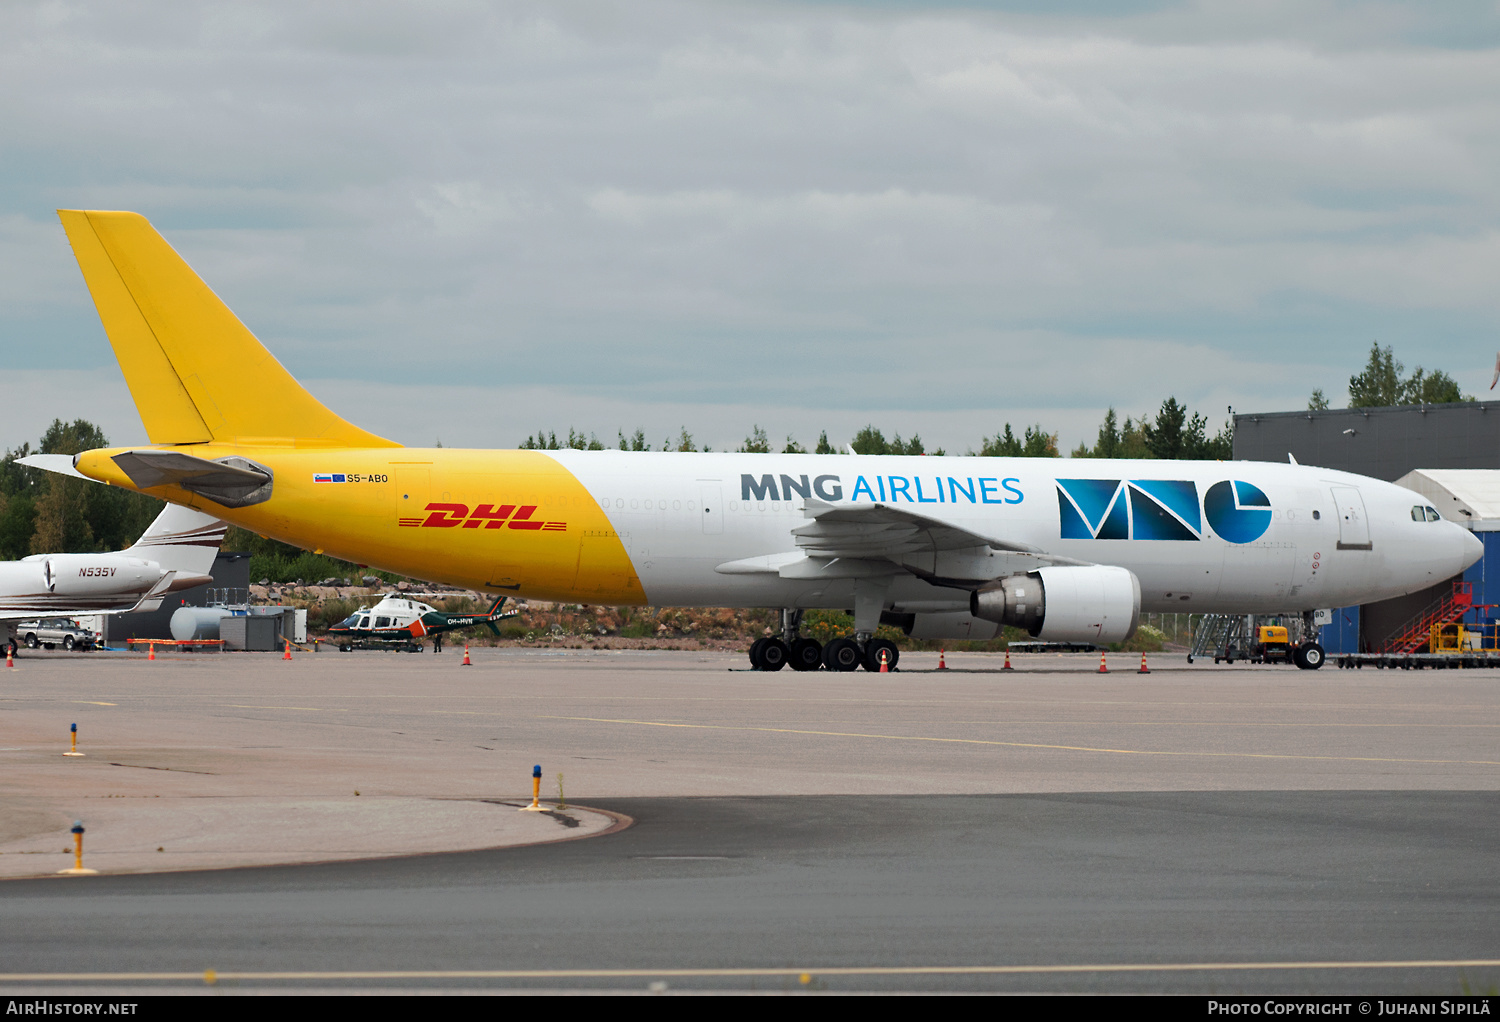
(711, 508)
(413, 490)
(1354, 528)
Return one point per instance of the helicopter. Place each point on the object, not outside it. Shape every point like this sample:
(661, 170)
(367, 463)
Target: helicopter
(400, 623)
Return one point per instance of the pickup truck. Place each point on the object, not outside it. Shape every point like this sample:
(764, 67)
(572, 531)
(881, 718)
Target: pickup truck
(51, 632)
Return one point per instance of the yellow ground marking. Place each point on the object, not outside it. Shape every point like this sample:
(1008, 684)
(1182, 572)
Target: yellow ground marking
(1035, 745)
(213, 975)
(90, 702)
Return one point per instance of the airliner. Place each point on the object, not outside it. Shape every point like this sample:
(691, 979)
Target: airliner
(945, 547)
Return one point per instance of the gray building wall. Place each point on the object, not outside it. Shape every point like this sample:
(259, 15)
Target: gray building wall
(1385, 443)
(230, 571)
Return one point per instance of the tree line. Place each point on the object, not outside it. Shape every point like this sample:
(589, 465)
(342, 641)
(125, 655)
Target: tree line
(1173, 433)
(1381, 385)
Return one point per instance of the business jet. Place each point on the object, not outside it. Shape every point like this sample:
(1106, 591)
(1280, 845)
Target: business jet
(176, 552)
(944, 547)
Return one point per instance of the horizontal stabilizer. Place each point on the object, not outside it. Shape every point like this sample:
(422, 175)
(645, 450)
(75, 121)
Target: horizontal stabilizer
(61, 464)
(232, 482)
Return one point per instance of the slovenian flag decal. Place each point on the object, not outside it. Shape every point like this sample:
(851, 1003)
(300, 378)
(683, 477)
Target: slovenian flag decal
(328, 477)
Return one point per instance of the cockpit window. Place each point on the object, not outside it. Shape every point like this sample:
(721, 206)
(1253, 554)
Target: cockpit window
(1432, 515)
(349, 621)
(364, 622)
(1418, 515)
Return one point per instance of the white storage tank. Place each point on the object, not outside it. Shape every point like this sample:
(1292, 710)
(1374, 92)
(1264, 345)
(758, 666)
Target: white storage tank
(197, 622)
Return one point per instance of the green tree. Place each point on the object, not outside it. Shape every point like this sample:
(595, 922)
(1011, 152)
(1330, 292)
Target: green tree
(636, 442)
(1436, 388)
(1035, 442)
(1169, 435)
(824, 447)
(75, 515)
(757, 442)
(912, 446)
(1317, 402)
(1379, 385)
(683, 443)
(541, 442)
(792, 446)
(870, 441)
(579, 442)
(1108, 444)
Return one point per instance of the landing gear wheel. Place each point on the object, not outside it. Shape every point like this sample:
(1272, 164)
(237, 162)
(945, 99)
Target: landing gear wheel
(774, 655)
(1309, 656)
(873, 650)
(841, 655)
(807, 655)
(755, 648)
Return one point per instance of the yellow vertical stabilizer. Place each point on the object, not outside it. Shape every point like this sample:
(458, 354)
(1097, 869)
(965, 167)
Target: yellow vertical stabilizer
(196, 373)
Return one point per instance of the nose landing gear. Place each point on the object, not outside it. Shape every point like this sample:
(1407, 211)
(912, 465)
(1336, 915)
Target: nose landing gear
(1308, 655)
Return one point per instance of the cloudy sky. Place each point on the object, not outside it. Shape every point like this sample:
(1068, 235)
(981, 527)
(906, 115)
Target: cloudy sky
(465, 221)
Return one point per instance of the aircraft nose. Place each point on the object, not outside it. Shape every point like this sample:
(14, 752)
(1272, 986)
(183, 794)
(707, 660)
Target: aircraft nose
(1473, 549)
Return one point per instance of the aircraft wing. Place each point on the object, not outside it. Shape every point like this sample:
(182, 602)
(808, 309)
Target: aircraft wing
(847, 540)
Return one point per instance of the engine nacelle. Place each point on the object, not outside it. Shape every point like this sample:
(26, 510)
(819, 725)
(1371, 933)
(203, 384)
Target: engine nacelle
(94, 575)
(1091, 603)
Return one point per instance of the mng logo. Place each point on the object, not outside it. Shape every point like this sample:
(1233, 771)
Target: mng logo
(1239, 511)
(1128, 509)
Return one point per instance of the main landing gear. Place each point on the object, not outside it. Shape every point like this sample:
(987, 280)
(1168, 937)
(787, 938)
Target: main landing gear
(802, 654)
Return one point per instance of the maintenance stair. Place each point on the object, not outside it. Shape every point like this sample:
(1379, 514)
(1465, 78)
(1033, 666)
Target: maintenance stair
(1445, 610)
(1223, 636)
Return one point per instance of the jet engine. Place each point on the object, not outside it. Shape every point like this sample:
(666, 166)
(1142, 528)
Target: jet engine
(1092, 603)
(92, 575)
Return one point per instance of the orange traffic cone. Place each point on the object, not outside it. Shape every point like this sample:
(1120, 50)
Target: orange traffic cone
(151, 648)
(1102, 668)
(1144, 669)
(466, 656)
(1007, 666)
(942, 663)
(288, 654)
(885, 662)
(10, 661)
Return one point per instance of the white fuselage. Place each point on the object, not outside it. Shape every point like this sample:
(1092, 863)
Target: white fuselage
(1294, 538)
(47, 584)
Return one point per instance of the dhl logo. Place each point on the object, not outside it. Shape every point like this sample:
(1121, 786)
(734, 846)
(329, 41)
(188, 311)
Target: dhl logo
(451, 516)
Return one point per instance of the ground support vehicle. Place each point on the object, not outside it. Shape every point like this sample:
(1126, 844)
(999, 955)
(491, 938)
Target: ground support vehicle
(1271, 646)
(49, 633)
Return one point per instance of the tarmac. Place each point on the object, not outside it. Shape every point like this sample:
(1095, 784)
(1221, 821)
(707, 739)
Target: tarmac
(1198, 829)
(207, 760)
